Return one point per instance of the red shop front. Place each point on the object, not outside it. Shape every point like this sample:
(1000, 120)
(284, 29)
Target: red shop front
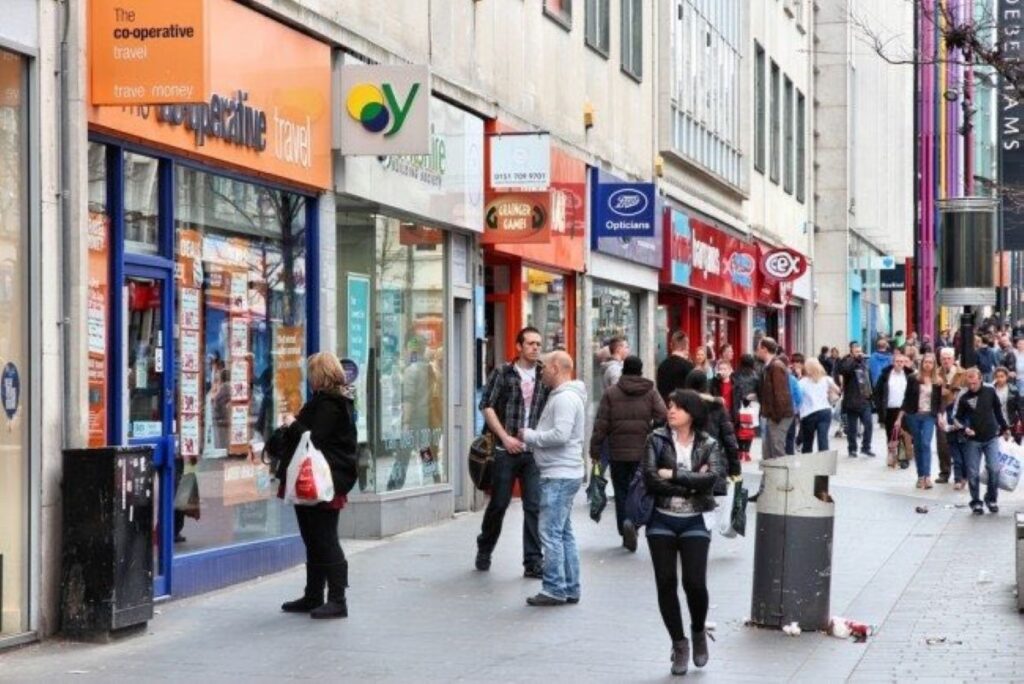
(707, 280)
(534, 282)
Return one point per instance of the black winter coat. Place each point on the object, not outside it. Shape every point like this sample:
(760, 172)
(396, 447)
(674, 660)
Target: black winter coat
(627, 413)
(329, 418)
(718, 424)
(688, 484)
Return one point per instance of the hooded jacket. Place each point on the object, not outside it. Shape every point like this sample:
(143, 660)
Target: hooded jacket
(557, 442)
(625, 416)
(689, 484)
(878, 362)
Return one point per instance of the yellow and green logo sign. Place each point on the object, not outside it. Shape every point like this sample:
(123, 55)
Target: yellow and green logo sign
(377, 107)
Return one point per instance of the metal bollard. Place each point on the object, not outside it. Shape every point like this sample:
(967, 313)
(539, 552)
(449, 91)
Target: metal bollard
(793, 547)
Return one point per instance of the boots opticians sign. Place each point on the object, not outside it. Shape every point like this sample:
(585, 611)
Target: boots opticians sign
(146, 52)
(383, 110)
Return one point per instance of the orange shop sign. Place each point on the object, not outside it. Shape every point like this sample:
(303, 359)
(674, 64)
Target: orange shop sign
(146, 52)
(517, 217)
(268, 105)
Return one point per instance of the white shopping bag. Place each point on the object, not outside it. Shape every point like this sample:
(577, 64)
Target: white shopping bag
(1011, 455)
(724, 509)
(309, 480)
(751, 414)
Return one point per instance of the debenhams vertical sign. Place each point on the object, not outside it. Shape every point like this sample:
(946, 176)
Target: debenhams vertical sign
(1011, 110)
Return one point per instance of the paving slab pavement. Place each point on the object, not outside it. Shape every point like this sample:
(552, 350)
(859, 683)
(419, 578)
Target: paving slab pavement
(420, 612)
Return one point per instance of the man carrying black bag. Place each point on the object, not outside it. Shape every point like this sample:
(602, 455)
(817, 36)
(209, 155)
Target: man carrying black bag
(513, 400)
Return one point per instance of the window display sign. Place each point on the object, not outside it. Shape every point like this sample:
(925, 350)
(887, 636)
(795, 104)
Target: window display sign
(359, 339)
(146, 53)
(99, 293)
(517, 217)
(520, 161)
(623, 210)
(382, 109)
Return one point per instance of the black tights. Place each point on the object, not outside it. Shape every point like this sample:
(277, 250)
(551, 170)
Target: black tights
(319, 530)
(693, 552)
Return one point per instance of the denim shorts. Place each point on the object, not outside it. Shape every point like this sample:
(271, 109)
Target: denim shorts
(662, 525)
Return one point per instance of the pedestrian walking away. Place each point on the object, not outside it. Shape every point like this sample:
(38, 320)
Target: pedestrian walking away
(682, 467)
(776, 399)
(880, 359)
(624, 418)
(745, 383)
(922, 404)
(855, 382)
(673, 370)
(950, 438)
(982, 419)
(557, 444)
(718, 425)
(513, 400)
(329, 418)
(817, 394)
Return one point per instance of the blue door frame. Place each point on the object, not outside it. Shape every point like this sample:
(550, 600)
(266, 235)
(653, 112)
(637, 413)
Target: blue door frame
(213, 568)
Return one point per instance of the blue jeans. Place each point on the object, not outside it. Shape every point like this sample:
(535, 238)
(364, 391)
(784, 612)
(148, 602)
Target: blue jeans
(818, 424)
(561, 557)
(922, 428)
(853, 416)
(974, 451)
(958, 456)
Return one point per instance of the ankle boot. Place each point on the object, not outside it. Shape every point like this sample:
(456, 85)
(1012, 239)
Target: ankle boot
(700, 647)
(313, 596)
(680, 656)
(337, 581)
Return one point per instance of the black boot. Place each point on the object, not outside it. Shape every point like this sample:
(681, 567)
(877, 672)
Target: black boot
(337, 581)
(680, 656)
(313, 597)
(700, 647)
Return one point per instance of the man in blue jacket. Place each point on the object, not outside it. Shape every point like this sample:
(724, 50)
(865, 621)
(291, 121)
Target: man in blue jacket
(879, 360)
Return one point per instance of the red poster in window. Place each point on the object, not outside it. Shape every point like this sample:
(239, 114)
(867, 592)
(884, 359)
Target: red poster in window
(98, 308)
(723, 266)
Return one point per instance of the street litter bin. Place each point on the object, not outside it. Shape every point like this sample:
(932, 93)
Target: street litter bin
(107, 558)
(793, 544)
(1019, 517)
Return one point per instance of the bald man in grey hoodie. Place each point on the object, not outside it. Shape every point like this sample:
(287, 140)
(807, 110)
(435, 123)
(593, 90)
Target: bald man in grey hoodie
(557, 444)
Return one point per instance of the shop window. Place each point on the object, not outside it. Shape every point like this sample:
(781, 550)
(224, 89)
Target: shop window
(14, 323)
(544, 306)
(241, 346)
(613, 313)
(595, 19)
(392, 323)
(141, 204)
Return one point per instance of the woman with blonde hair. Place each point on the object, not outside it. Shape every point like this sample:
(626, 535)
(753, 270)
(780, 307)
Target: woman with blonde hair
(701, 363)
(817, 394)
(328, 417)
(922, 404)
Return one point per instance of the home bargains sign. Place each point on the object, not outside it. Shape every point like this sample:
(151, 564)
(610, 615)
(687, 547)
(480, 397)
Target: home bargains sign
(721, 265)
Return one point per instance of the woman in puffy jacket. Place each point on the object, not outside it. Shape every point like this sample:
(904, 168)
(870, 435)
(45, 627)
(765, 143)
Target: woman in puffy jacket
(328, 417)
(682, 467)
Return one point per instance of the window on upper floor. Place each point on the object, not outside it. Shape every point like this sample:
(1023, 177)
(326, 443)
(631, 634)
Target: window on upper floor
(776, 119)
(759, 107)
(801, 141)
(596, 19)
(787, 136)
(632, 38)
(560, 11)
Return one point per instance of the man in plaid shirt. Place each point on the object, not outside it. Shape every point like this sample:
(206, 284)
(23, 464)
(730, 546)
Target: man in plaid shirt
(513, 400)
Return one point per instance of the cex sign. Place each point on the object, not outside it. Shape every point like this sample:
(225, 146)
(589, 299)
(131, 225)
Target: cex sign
(783, 264)
(383, 110)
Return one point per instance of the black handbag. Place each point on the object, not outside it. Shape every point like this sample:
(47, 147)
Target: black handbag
(481, 461)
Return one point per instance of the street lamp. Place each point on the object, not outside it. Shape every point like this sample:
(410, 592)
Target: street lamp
(966, 269)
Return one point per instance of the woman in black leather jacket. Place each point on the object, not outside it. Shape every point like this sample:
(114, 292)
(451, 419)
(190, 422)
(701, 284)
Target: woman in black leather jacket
(682, 466)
